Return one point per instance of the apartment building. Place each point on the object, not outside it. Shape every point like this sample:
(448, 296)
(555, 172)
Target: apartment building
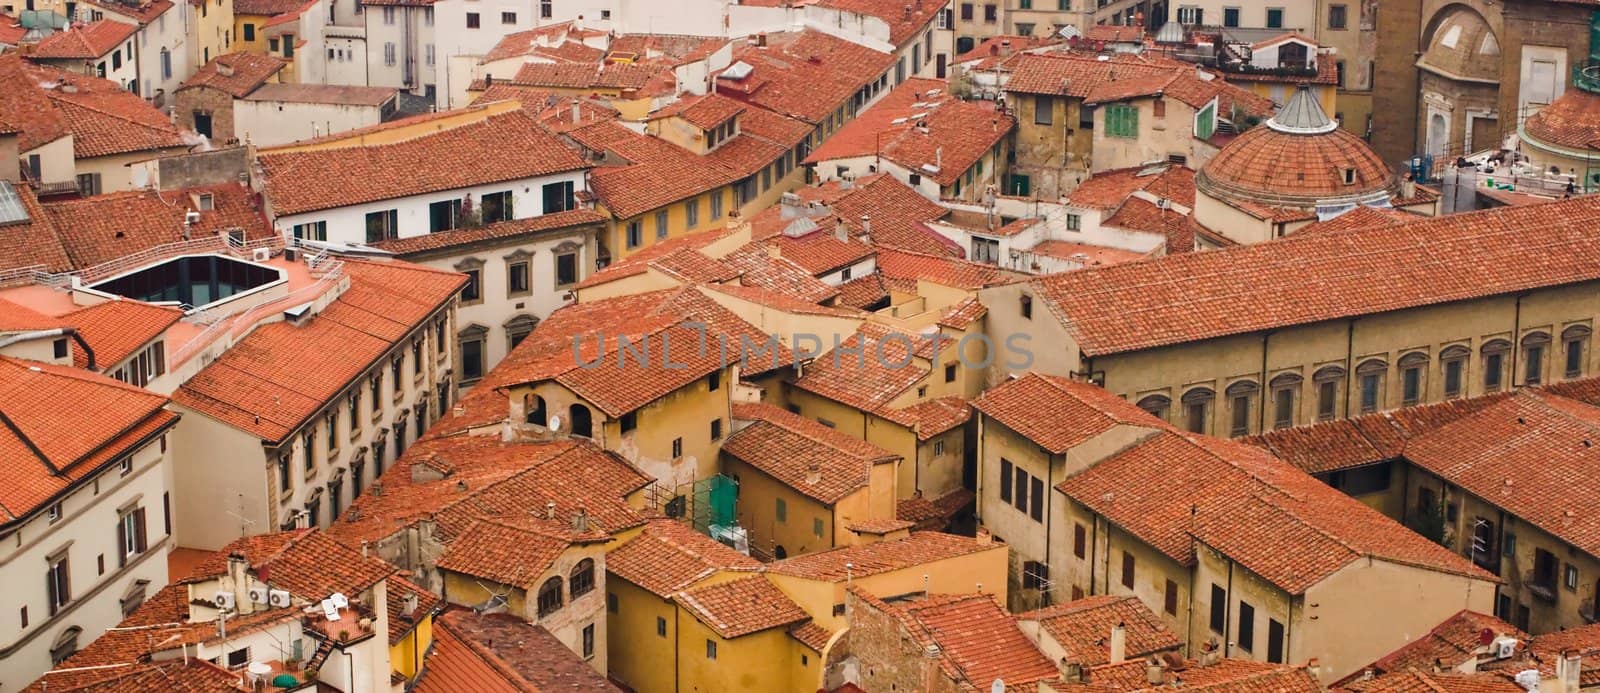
(204, 103)
(105, 49)
(1205, 549)
(74, 477)
(162, 58)
(1272, 358)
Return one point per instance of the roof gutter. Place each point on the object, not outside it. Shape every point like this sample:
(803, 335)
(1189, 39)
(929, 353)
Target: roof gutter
(37, 334)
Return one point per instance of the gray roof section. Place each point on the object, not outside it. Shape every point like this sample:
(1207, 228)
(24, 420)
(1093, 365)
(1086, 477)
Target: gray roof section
(1303, 115)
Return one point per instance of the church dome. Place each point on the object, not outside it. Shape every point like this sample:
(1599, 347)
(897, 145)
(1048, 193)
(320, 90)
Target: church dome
(1298, 158)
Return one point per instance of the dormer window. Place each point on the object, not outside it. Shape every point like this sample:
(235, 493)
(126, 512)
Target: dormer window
(1349, 176)
(206, 202)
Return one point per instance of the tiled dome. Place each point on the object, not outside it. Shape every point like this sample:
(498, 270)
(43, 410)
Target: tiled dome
(1572, 121)
(1298, 158)
(1463, 45)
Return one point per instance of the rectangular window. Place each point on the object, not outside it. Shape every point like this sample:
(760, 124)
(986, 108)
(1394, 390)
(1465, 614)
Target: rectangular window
(1170, 601)
(635, 234)
(1005, 481)
(629, 421)
(1121, 120)
(443, 215)
(588, 641)
(1240, 424)
(283, 473)
(1274, 641)
(1074, 222)
(1369, 392)
(1027, 307)
(496, 207)
(1337, 16)
(661, 626)
(1533, 365)
(1452, 377)
(1493, 366)
(249, 32)
(966, 11)
(1196, 417)
(716, 205)
(991, 14)
(677, 447)
(661, 224)
(1127, 570)
(566, 269)
(1574, 358)
(716, 429)
(472, 20)
(1230, 17)
(388, 16)
(517, 277)
(1411, 385)
(1043, 110)
(558, 197)
(1020, 499)
(1274, 17)
(58, 579)
(88, 184)
(1544, 573)
(816, 526)
(691, 213)
(1247, 626)
(1080, 540)
(547, 10)
(238, 658)
(314, 231)
(1190, 16)
(711, 649)
(383, 226)
(782, 510)
(471, 360)
(1037, 512)
(508, 18)
(473, 291)
(950, 372)
(288, 45)
(1283, 408)
(1219, 609)
(611, 602)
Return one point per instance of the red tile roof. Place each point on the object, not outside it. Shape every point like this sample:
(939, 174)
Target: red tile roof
(118, 329)
(459, 480)
(1142, 305)
(741, 607)
(995, 49)
(1428, 681)
(48, 451)
(1056, 413)
(454, 665)
(15, 317)
(498, 552)
(523, 654)
(87, 41)
(870, 379)
(442, 160)
(785, 446)
(34, 241)
(546, 224)
(812, 635)
(820, 251)
(258, 388)
(777, 275)
(977, 641)
(945, 271)
(705, 111)
(1450, 644)
(894, 212)
(46, 103)
(1224, 676)
(269, 8)
(108, 227)
(1110, 190)
(668, 556)
(1569, 121)
(922, 127)
(542, 42)
(306, 562)
(1083, 628)
(921, 548)
(395, 591)
(1362, 217)
(807, 74)
(1247, 505)
(1268, 167)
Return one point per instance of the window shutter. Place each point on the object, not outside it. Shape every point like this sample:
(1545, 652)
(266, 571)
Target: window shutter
(140, 535)
(50, 588)
(122, 542)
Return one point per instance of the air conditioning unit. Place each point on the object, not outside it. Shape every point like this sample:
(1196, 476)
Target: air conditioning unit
(258, 595)
(191, 218)
(1503, 648)
(223, 600)
(261, 254)
(278, 599)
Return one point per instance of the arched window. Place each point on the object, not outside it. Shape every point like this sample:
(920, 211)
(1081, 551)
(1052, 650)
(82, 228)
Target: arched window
(1574, 345)
(1412, 366)
(1453, 366)
(1157, 405)
(549, 596)
(1494, 364)
(534, 406)
(582, 424)
(1534, 345)
(779, 553)
(65, 644)
(581, 581)
(1284, 388)
(1197, 409)
(1370, 377)
(1240, 398)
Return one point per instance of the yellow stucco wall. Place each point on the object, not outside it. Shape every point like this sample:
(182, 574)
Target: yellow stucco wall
(745, 663)
(954, 575)
(213, 29)
(404, 656)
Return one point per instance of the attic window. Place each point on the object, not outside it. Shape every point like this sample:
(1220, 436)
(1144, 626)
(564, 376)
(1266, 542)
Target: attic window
(1349, 176)
(206, 202)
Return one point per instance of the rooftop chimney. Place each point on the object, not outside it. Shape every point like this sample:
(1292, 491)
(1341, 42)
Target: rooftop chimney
(1155, 671)
(813, 473)
(866, 225)
(410, 604)
(550, 510)
(1005, 47)
(983, 536)
(840, 231)
(577, 111)
(580, 521)
(1119, 643)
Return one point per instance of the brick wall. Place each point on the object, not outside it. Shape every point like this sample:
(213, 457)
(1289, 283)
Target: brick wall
(217, 103)
(886, 656)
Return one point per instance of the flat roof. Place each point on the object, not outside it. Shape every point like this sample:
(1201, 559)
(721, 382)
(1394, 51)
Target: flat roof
(322, 93)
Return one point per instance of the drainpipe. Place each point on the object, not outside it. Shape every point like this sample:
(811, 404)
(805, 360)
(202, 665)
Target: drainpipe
(1227, 615)
(36, 334)
(88, 353)
(1049, 488)
(1349, 364)
(1516, 340)
(349, 663)
(677, 637)
(1261, 413)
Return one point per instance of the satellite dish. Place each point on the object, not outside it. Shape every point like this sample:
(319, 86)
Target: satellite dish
(554, 424)
(998, 686)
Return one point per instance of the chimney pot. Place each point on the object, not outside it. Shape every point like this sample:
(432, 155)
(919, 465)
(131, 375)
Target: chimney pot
(813, 473)
(550, 510)
(1119, 644)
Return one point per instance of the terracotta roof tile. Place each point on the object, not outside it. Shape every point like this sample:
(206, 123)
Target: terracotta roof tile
(820, 251)
(45, 104)
(668, 556)
(993, 49)
(977, 640)
(34, 241)
(1569, 121)
(1083, 628)
(502, 553)
(1454, 641)
(932, 514)
(885, 367)
(48, 451)
(1413, 681)
(517, 228)
(784, 445)
(236, 74)
(1131, 216)
(1111, 189)
(811, 635)
(1247, 505)
(587, 75)
(306, 562)
(705, 111)
(109, 227)
(1159, 302)
(396, 589)
(880, 526)
(1225, 676)
(145, 12)
(937, 416)
(1272, 168)
(118, 329)
(945, 271)
(546, 41)
(527, 655)
(15, 317)
(88, 41)
(878, 557)
(442, 160)
(806, 74)
(862, 292)
(922, 127)
(904, 17)
(1056, 413)
(454, 665)
(1362, 217)
(740, 607)
(255, 387)
(758, 269)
